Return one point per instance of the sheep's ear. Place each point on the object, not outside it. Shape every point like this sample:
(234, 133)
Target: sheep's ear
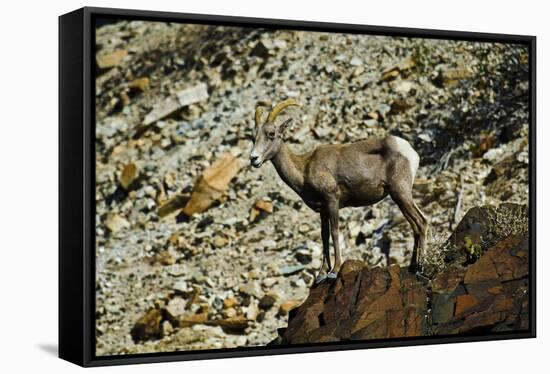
(285, 125)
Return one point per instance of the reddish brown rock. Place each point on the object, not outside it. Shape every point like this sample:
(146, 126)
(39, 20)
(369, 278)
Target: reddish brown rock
(464, 303)
(489, 295)
(492, 296)
(111, 59)
(212, 184)
(361, 304)
(148, 327)
(286, 307)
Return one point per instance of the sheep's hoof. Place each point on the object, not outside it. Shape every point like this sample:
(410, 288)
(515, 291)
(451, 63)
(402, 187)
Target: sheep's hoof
(332, 275)
(320, 278)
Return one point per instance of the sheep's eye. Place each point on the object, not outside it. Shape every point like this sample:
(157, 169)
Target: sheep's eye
(271, 135)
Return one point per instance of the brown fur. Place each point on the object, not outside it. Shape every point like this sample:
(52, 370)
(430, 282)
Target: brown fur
(331, 177)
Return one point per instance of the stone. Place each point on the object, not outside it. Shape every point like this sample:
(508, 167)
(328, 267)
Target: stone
(483, 270)
(230, 302)
(389, 75)
(403, 87)
(395, 71)
(464, 303)
(116, 223)
(251, 289)
(139, 85)
(450, 76)
(263, 205)
(401, 105)
(173, 103)
(229, 313)
(373, 115)
(356, 61)
(269, 282)
(383, 110)
(260, 50)
(148, 327)
(234, 325)
(260, 209)
(291, 270)
(191, 320)
(212, 184)
(267, 301)
(174, 204)
(351, 266)
(303, 255)
(129, 175)
(379, 303)
(110, 59)
(287, 306)
(164, 258)
(181, 286)
(252, 312)
(268, 244)
(167, 328)
(220, 241)
(176, 308)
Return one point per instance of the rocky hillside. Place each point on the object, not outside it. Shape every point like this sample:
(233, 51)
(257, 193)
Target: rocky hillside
(195, 249)
(488, 293)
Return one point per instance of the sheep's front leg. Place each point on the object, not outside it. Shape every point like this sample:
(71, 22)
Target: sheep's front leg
(333, 219)
(325, 237)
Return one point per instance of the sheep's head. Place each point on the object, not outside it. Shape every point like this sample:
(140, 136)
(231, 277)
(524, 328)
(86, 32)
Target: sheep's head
(269, 136)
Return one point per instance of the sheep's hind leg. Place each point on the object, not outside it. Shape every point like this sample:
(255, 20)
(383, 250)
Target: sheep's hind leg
(326, 247)
(333, 217)
(403, 198)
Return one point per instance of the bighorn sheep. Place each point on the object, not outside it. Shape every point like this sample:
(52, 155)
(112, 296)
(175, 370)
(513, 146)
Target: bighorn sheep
(331, 177)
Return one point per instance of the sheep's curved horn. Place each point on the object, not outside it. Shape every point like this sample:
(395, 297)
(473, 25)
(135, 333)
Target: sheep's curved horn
(258, 116)
(277, 109)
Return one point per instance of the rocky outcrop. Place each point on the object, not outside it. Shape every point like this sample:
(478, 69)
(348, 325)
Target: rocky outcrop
(361, 304)
(490, 294)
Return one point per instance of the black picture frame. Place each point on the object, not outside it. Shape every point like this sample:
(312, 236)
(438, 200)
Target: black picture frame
(77, 184)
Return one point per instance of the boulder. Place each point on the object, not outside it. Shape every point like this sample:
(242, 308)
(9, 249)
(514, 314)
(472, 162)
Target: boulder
(485, 296)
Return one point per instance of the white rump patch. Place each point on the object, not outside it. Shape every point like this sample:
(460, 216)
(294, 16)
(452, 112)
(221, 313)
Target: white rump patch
(407, 150)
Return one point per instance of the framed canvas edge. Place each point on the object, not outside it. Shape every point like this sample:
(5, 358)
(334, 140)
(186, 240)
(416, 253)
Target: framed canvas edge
(87, 281)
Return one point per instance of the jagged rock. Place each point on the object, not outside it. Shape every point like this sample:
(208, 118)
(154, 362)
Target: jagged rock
(491, 294)
(486, 225)
(251, 289)
(129, 174)
(260, 50)
(171, 104)
(234, 325)
(291, 270)
(110, 60)
(176, 308)
(260, 209)
(362, 304)
(212, 184)
(148, 327)
(190, 320)
(286, 307)
(116, 223)
(267, 301)
(394, 71)
(139, 85)
(175, 203)
(451, 76)
(230, 302)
